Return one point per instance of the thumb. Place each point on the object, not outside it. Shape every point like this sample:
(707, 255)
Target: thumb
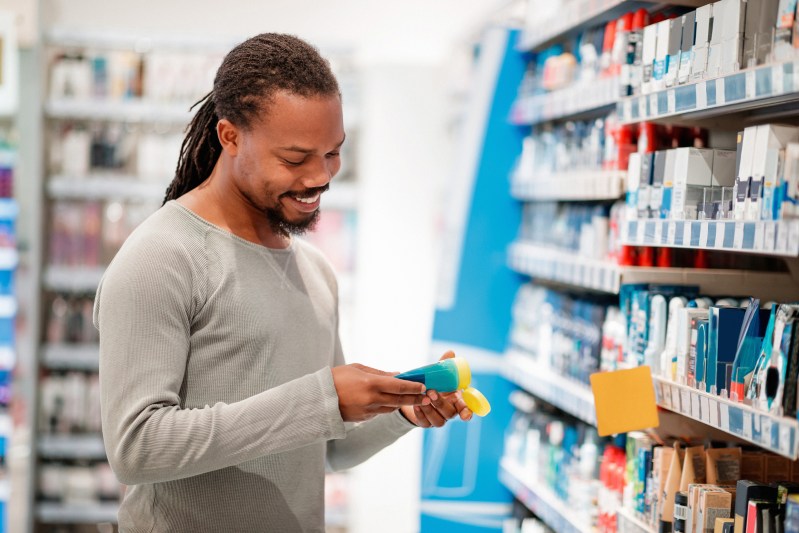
(448, 355)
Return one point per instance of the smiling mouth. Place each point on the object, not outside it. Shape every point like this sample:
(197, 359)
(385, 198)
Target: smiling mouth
(308, 199)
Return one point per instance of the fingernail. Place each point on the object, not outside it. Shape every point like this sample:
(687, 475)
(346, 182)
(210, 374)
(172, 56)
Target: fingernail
(425, 401)
(433, 396)
(424, 389)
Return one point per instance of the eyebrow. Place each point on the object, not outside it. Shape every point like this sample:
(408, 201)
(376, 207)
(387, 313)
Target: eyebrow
(302, 150)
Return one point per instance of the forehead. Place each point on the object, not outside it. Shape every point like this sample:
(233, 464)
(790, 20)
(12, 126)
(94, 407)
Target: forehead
(290, 114)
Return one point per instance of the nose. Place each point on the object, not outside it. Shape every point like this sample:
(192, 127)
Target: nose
(321, 172)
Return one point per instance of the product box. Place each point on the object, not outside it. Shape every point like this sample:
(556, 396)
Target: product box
(686, 47)
(770, 143)
(696, 351)
(673, 51)
(724, 168)
(715, 41)
(723, 465)
(753, 466)
(693, 172)
(714, 503)
(633, 185)
(783, 36)
(701, 353)
(701, 48)
(661, 56)
(733, 35)
(761, 20)
(687, 317)
(745, 491)
(724, 330)
(668, 184)
(649, 50)
(645, 184)
(790, 182)
(724, 525)
(744, 177)
(694, 491)
(658, 178)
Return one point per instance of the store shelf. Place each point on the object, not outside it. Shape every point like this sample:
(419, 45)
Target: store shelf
(566, 103)
(119, 111)
(85, 357)
(569, 268)
(73, 279)
(627, 522)
(766, 86)
(576, 15)
(105, 187)
(88, 447)
(61, 513)
(566, 394)
(65, 37)
(763, 237)
(569, 186)
(774, 433)
(539, 499)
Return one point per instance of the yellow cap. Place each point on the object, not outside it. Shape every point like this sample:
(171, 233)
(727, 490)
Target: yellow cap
(464, 372)
(476, 401)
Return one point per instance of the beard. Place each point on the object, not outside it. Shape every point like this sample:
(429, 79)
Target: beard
(278, 221)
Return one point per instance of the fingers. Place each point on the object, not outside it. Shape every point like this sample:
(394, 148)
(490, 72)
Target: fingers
(391, 385)
(398, 400)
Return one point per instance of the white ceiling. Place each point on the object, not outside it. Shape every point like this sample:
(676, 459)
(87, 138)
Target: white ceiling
(416, 31)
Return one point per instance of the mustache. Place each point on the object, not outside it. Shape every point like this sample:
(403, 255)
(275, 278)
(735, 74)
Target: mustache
(308, 193)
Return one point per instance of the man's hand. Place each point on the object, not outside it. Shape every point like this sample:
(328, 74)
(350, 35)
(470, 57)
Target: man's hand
(365, 392)
(442, 407)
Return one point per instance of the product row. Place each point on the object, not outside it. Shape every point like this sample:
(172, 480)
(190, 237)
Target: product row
(120, 75)
(70, 403)
(69, 320)
(600, 144)
(78, 484)
(78, 150)
(701, 489)
(651, 52)
(89, 234)
(758, 181)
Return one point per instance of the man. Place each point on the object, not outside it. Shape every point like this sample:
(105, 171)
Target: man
(224, 388)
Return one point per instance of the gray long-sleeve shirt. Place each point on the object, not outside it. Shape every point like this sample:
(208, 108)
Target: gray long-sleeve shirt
(218, 403)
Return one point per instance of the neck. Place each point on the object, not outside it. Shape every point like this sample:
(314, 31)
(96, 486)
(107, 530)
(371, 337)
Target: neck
(219, 202)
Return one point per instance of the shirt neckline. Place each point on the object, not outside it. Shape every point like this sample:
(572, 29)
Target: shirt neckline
(287, 250)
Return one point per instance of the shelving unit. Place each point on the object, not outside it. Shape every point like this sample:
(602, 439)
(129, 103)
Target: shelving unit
(133, 111)
(566, 394)
(768, 86)
(84, 357)
(540, 499)
(565, 103)
(762, 237)
(77, 279)
(105, 187)
(627, 523)
(569, 186)
(774, 433)
(84, 447)
(569, 268)
(59, 513)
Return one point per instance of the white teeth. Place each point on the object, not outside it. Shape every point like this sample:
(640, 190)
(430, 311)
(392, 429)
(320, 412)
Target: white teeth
(310, 200)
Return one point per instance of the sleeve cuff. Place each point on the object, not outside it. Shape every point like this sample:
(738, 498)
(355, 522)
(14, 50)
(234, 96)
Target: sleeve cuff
(330, 404)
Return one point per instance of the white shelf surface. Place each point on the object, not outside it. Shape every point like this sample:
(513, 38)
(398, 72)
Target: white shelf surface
(122, 111)
(774, 433)
(564, 103)
(627, 522)
(566, 394)
(62, 513)
(569, 268)
(569, 186)
(105, 187)
(84, 357)
(71, 447)
(73, 279)
(762, 237)
(743, 90)
(539, 499)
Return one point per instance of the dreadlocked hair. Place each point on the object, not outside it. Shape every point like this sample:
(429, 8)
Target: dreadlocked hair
(244, 86)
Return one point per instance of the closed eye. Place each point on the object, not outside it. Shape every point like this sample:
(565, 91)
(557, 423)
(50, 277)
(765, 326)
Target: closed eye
(294, 163)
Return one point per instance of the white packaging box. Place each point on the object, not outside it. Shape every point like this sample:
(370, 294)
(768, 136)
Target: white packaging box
(702, 42)
(723, 168)
(790, 175)
(673, 51)
(650, 40)
(633, 185)
(716, 39)
(693, 173)
(656, 189)
(744, 177)
(658, 82)
(732, 38)
(686, 47)
(770, 140)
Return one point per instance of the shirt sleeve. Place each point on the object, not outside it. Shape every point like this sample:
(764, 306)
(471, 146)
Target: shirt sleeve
(143, 311)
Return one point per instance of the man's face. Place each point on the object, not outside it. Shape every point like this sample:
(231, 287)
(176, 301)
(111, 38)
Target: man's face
(287, 158)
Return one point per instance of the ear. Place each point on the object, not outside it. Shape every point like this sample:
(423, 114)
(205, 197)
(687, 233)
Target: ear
(228, 135)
